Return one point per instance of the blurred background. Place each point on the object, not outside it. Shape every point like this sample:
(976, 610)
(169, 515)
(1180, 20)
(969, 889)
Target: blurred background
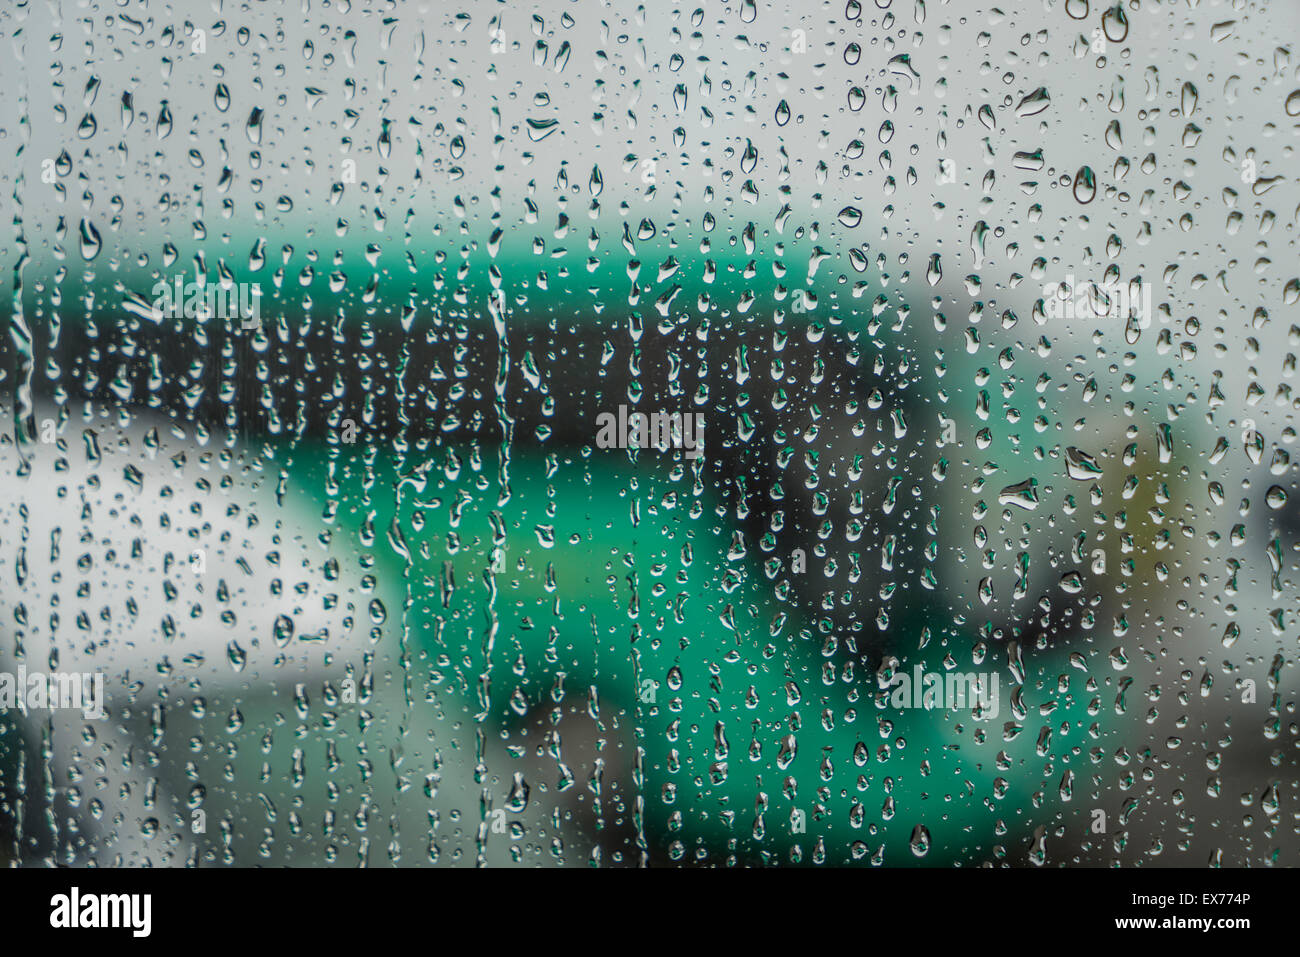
(365, 589)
